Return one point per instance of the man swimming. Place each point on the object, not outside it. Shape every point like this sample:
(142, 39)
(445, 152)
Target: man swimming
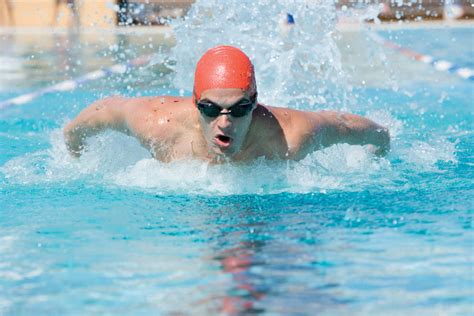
(223, 120)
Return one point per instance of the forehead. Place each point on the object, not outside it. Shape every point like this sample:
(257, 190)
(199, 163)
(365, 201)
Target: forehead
(225, 95)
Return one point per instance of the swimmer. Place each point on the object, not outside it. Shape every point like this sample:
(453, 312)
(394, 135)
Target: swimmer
(223, 120)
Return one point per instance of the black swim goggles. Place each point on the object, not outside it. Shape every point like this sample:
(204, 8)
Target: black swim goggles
(242, 108)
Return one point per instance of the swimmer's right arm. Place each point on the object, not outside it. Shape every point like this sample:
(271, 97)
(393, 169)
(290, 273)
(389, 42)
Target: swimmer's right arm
(109, 113)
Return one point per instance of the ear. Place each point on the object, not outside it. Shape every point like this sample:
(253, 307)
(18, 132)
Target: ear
(194, 97)
(254, 97)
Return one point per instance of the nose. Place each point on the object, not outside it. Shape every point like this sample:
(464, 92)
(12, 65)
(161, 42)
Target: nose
(224, 122)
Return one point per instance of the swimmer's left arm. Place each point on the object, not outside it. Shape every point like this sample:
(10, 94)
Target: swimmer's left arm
(337, 127)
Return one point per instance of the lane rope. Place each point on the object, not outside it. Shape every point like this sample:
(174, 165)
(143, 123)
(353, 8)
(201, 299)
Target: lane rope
(72, 84)
(438, 64)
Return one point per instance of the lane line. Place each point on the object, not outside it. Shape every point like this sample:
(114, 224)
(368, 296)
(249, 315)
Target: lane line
(72, 84)
(438, 64)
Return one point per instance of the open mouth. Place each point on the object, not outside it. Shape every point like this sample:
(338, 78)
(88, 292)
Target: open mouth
(223, 140)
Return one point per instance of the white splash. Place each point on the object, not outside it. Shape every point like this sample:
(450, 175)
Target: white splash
(298, 66)
(425, 155)
(113, 159)
(118, 160)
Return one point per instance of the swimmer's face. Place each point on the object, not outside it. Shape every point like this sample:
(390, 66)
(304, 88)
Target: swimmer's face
(225, 116)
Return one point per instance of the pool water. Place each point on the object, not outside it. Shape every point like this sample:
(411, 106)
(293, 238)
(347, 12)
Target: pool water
(339, 233)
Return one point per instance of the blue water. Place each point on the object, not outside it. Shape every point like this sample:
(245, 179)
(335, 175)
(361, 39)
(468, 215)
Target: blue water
(462, 40)
(339, 233)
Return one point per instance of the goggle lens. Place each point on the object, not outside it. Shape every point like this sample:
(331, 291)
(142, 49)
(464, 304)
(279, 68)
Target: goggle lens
(210, 109)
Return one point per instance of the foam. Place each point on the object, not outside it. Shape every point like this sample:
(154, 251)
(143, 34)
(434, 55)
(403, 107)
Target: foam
(113, 159)
(425, 155)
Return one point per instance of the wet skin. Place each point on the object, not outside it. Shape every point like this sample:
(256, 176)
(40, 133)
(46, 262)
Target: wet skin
(172, 128)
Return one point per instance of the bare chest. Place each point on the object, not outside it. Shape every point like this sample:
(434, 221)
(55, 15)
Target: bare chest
(179, 145)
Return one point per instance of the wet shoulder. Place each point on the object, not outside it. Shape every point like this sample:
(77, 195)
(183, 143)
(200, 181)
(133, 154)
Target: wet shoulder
(157, 104)
(151, 116)
(155, 107)
(297, 126)
(294, 120)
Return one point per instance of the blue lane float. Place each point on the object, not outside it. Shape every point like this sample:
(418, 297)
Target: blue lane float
(72, 84)
(436, 63)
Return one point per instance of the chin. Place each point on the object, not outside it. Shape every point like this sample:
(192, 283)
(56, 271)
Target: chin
(228, 152)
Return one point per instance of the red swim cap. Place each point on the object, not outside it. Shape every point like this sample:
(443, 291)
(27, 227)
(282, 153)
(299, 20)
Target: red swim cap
(224, 67)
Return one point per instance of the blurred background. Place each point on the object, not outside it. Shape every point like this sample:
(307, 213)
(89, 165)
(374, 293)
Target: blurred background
(112, 13)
